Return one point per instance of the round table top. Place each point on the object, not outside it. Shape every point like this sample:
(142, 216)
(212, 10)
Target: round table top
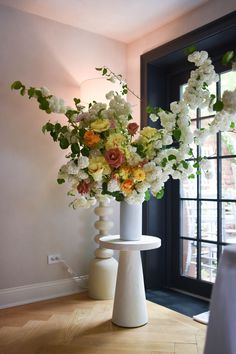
(115, 243)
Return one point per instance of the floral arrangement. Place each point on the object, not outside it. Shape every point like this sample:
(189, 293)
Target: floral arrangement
(107, 156)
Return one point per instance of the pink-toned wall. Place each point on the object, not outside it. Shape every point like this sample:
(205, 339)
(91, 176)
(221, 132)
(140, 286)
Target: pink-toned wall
(204, 14)
(35, 218)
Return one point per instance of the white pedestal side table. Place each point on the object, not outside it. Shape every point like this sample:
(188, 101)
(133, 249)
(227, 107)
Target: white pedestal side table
(130, 309)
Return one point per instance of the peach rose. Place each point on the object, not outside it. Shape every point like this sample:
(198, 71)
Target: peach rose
(132, 128)
(114, 157)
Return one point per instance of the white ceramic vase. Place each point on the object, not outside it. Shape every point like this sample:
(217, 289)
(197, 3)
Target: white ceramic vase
(130, 221)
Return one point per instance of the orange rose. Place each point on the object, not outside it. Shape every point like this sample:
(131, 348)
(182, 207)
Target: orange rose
(90, 138)
(127, 185)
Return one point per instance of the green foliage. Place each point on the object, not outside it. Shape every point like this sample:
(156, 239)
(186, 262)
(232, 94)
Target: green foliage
(227, 57)
(160, 194)
(85, 151)
(77, 101)
(177, 134)
(185, 164)
(190, 152)
(190, 50)
(140, 150)
(147, 196)
(60, 181)
(171, 157)
(47, 127)
(218, 106)
(75, 148)
(17, 85)
(70, 112)
(63, 142)
(191, 176)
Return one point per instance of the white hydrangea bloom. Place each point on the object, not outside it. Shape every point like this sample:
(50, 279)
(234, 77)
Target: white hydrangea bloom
(83, 162)
(142, 187)
(72, 168)
(152, 171)
(80, 202)
(110, 95)
(95, 109)
(198, 58)
(82, 175)
(113, 186)
(57, 105)
(153, 117)
(135, 198)
(62, 173)
(167, 139)
(156, 186)
(45, 91)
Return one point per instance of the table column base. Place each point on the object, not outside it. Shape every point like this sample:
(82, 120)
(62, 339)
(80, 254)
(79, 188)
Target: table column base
(130, 309)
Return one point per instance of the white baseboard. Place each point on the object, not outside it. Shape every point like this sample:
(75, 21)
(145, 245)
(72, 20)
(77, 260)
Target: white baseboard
(40, 291)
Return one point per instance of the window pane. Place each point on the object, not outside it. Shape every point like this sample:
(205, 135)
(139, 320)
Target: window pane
(189, 258)
(208, 262)
(209, 221)
(228, 143)
(229, 222)
(209, 185)
(228, 81)
(188, 218)
(205, 111)
(208, 148)
(229, 178)
(188, 188)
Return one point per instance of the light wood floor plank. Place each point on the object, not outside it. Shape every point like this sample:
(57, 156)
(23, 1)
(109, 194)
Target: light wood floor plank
(77, 324)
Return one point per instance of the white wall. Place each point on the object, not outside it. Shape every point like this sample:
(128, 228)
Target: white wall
(34, 215)
(204, 14)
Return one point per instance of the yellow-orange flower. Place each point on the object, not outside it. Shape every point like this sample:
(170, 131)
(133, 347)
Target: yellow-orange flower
(100, 125)
(124, 172)
(90, 138)
(127, 185)
(139, 174)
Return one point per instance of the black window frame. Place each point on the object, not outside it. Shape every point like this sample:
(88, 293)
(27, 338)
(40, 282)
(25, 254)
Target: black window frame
(161, 218)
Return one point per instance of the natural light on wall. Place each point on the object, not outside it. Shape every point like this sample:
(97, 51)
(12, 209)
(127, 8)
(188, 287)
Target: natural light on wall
(95, 90)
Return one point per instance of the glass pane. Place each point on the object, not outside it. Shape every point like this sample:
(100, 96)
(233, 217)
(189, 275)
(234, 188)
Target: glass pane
(192, 112)
(208, 148)
(229, 222)
(229, 178)
(228, 81)
(209, 221)
(189, 258)
(209, 183)
(188, 188)
(188, 218)
(204, 112)
(228, 143)
(208, 262)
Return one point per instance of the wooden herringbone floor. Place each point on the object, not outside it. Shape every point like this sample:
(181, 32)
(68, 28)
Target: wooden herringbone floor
(77, 324)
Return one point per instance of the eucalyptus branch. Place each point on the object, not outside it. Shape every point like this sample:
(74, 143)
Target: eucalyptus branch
(111, 76)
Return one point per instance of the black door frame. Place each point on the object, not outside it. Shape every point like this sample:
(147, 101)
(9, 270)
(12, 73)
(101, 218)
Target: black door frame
(160, 217)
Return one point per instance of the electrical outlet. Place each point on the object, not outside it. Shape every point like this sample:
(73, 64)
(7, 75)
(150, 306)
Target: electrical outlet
(54, 258)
